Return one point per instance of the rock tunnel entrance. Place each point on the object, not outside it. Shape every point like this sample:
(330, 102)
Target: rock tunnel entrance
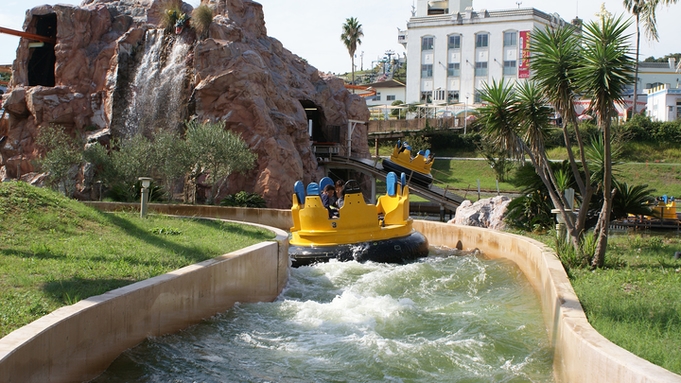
(42, 58)
(320, 132)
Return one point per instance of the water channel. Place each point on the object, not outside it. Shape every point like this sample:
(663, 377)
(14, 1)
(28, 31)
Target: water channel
(450, 317)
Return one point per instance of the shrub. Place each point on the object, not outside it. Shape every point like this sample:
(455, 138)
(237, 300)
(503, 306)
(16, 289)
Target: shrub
(398, 112)
(448, 140)
(244, 199)
(202, 17)
(63, 155)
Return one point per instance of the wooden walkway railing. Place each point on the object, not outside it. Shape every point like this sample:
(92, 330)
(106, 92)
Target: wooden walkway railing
(388, 127)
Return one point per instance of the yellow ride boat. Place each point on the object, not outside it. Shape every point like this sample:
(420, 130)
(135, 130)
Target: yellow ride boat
(665, 208)
(363, 232)
(416, 168)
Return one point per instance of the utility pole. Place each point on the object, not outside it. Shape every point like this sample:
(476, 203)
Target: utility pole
(361, 61)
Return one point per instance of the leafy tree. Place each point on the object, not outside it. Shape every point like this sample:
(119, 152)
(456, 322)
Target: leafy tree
(397, 112)
(171, 159)
(63, 155)
(675, 56)
(351, 38)
(130, 159)
(217, 152)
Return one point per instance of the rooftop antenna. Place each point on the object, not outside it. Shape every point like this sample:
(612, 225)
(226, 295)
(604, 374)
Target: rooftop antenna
(413, 9)
(577, 8)
(518, 3)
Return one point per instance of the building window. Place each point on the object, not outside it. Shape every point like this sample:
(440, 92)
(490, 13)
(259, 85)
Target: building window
(454, 42)
(377, 97)
(426, 70)
(453, 96)
(482, 40)
(427, 43)
(477, 97)
(390, 97)
(439, 95)
(454, 69)
(481, 68)
(510, 68)
(426, 96)
(510, 39)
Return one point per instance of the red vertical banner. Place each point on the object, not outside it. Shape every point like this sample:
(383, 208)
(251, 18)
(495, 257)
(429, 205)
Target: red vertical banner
(524, 66)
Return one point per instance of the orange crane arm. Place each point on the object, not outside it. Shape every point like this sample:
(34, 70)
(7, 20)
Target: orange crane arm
(30, 36)
(369, 91)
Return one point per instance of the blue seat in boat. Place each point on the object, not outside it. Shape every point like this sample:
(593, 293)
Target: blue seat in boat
(427, 154)
(325, 181)
(390, 184)
(299, 190)
(313, 189)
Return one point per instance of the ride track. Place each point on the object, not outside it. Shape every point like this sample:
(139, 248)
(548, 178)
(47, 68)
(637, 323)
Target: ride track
(444, 197)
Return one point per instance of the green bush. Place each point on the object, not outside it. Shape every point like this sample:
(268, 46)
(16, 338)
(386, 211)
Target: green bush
(642, 128)
(201, 19)
(244, 199)
(449, 140)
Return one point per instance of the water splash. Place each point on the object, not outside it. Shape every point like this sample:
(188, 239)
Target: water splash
(445, 318)
(156, 94)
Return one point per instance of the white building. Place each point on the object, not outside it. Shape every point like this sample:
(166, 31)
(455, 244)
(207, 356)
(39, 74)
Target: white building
(664, 103)
(387, 92)
(452, 49)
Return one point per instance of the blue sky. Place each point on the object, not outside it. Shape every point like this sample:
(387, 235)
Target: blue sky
(312, 28)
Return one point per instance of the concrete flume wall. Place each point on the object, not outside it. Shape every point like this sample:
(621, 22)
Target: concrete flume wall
(78, 342)
(581, 353)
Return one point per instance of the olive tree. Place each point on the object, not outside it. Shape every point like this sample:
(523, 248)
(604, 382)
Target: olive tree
(218, 153)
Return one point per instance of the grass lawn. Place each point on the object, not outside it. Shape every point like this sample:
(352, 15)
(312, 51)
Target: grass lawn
(55, 251)
(636, 303)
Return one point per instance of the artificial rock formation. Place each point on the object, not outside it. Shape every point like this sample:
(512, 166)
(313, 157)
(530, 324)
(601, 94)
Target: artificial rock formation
(487, 213)
(113, 73)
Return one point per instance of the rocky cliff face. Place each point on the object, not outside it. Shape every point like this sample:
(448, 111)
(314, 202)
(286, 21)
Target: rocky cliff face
(113, 72)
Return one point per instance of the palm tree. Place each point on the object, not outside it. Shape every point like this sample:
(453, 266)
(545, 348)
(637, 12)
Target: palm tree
(644, 12)
(604, 72)
(555, 56)
(352, 32)
(516, 121)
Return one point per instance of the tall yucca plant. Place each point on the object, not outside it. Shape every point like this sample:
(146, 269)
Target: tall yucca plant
(605, 72)
(499, 120)
(556, 54)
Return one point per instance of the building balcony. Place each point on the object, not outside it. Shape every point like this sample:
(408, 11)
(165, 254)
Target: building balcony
(402, 37)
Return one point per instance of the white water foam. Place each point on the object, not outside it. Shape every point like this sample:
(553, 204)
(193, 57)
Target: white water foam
(369, 322)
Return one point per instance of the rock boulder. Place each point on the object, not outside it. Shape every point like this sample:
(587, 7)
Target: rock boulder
(237, 75)
(487, 213)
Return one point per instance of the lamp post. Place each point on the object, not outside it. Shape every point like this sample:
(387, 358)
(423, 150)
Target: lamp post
(465, 115)
(146, 182)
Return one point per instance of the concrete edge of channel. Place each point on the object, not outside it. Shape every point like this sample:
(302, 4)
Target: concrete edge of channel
(55, 346)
